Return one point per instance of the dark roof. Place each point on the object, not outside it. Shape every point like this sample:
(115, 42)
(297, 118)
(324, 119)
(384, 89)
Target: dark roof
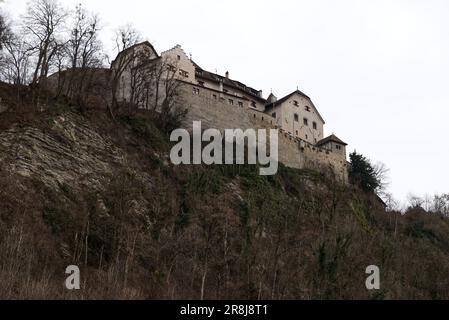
(282, 100)
(271, 105)
(332, 138)
(146, 43)
(272, 97)
(207, 75)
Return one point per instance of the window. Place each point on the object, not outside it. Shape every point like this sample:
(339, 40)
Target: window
(183, 73)
(171, 68)
(196, 91)
(240, 104)
(307, 108)
(315, 140)
(231, 102)
(306, 122)
(201, 83)
(307, 137)
(253, 104)
(273, 114)
(314, 125)
(214, 96)
(338, 147)
(295, 103)
(297, 133)
(296, 117)
(179, 57)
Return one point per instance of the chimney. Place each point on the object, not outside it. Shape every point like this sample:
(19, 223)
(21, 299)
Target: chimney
(227, 74)
(220, 86)
(260, 93)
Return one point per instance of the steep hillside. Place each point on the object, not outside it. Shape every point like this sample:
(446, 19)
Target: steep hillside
(79, 188)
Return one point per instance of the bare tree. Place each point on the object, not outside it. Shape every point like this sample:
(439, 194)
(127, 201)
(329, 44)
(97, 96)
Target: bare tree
(44, 21)
(127, 59)
(4, 31)
(84, 48)
(16, 61)
(126, 36)
(415, 201)
(381, 173)
(440, 204)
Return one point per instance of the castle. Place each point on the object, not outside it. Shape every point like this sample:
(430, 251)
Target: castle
(146, 78)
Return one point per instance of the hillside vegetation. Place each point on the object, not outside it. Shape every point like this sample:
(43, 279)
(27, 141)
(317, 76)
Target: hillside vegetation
(79, 188)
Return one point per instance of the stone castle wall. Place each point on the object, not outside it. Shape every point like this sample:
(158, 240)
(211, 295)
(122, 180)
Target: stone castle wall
(213, 113)
(219, 114)
(300, 154)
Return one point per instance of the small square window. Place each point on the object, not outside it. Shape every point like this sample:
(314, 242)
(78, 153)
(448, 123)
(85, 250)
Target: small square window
(214, 96)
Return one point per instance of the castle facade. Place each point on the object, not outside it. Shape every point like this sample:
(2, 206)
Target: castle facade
(146, 78)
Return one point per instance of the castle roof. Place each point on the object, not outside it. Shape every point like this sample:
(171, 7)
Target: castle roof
(207, 75)
(332, 138)
(282, 100)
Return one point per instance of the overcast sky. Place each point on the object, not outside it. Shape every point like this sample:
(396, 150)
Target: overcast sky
(378, 71)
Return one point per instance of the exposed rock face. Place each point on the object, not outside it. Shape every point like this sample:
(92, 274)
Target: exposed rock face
(71, 153)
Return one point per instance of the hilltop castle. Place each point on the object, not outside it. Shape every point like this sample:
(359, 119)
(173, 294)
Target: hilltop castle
(146, 78)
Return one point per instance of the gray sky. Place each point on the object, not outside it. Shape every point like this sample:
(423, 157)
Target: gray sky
(378, 71)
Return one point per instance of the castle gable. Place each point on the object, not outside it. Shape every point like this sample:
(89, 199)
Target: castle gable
(178, 59)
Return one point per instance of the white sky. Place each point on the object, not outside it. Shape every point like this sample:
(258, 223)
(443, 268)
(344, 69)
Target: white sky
(378, 71)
